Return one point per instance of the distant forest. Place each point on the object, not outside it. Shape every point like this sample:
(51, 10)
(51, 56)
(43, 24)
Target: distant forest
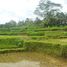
(50, 12)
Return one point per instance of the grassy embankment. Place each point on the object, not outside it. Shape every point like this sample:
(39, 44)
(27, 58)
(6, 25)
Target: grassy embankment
(51, 40)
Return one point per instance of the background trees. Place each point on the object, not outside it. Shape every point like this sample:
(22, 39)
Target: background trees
(11, 23)
(51, 13)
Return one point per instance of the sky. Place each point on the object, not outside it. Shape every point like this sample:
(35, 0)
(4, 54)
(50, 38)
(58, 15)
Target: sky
(20, 9)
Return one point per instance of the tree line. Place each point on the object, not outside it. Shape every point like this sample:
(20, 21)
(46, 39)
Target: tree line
(50, 12)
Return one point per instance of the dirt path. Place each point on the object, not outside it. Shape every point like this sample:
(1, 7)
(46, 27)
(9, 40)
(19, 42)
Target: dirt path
(31, 64)
(30, 59)
(21, 64)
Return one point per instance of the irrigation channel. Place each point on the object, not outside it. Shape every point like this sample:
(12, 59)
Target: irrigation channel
(30, 59)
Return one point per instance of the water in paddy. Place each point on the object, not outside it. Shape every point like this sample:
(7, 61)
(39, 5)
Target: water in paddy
(30, 59)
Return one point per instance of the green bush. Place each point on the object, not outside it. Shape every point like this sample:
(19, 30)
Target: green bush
(50, 48)
(11, 43)
(35, 33)
(64, 51)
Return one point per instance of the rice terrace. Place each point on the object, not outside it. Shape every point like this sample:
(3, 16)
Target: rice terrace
(36, 43)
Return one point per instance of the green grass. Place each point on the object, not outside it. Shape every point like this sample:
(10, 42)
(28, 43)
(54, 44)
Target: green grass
(51, 40)
(53, 48)
(17, 43)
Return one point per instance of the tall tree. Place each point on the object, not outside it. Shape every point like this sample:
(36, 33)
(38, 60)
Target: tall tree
(46, 7)
(21, 23)
(47, 10)
(11, 23)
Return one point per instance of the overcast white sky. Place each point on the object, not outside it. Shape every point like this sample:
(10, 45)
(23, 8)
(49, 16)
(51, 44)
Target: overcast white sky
(20, 9)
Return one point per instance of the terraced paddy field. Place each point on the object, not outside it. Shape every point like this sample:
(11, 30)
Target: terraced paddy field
(33, 48)
(34, 43)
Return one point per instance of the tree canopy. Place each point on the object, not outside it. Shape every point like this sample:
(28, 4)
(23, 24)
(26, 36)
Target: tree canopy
(51, 13)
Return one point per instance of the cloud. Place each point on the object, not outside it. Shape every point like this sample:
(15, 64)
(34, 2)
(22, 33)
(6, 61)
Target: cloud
(16, 9)
(63, 3)
(21, 9)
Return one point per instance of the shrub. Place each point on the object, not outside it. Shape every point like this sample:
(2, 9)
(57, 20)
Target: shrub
(64, 51)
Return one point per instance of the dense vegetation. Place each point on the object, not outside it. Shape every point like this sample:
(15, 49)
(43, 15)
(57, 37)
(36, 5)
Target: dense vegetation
(48, 35)
(51, 40)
